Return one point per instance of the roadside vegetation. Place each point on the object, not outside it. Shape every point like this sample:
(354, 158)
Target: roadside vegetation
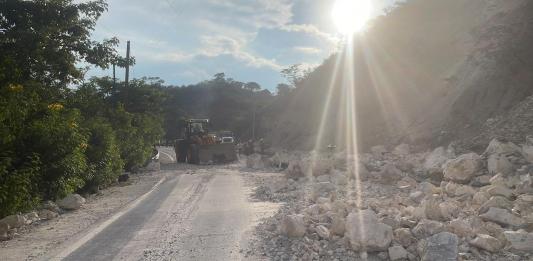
(57, 134)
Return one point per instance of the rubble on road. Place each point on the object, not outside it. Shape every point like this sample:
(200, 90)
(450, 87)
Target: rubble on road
(401, 205)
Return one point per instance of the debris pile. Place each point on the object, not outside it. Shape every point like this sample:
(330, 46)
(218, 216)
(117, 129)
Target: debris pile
(12, 225)
(401, 205)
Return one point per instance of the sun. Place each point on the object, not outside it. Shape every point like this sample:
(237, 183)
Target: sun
(351, 16)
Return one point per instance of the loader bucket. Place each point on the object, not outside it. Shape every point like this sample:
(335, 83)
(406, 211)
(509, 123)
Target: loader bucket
(217, 153)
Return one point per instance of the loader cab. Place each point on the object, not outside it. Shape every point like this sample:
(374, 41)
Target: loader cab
(195, 127)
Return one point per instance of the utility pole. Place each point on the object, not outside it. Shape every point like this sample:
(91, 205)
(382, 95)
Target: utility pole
(127, 64)
(253, 116)
(114, 77)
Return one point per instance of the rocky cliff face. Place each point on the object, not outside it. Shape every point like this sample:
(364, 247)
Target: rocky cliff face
(497, 74)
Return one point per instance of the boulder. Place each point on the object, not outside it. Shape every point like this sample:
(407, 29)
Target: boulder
(458, 190)
(294, 170)
(520, 240)
(338, 226)
(496, 202)
(481, 181)
(527, 152)
(340, 207)
(31, 217)
(47, 214)
(378, 151)
(365, 232)
(502, 217)
(487, 242)
(498, 163)
(14, 221)
(404, 237)
(407, 182)
(397, 253)
(524, 204)
(460, 227)
(449, 209)
(50, 205)
(416, 196)
(480, 198)
(500, 190)
(293, 226)
(489, 228)
(525, 185)
(124, 177)
(432, 209)
(501, 148)
(322, 232)
(442, 246)
(463, 168)
(71, 202)
(255, 161)
(390, 174)
(427, 188)
(401, 150)
(436, 158)
(497, 179)
(426, 228)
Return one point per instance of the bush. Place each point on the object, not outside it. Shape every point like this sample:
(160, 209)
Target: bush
(18, 190)
(60, 145)
(137, 133)
(103, 155)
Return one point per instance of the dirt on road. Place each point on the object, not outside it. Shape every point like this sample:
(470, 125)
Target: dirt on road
(193, 213)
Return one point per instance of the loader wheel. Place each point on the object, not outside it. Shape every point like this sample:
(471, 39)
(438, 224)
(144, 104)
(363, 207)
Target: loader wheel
(181, 152)
(193, 156)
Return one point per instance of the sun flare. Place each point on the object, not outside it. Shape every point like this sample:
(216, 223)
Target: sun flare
(351, 16)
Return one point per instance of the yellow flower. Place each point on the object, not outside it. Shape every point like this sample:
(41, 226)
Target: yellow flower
(55, 106)
(15, 87)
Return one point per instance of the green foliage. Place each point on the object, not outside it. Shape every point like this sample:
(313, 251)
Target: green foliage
(136, 134)
(55, 140)
(45, 39)
(103, 155)
(60, 144)
(18, 191)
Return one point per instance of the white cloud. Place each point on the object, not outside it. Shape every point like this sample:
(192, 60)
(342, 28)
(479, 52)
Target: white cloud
(310, 29)
(307, 50)
(223, 45)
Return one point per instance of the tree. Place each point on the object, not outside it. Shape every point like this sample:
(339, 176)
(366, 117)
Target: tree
(295, 73)
(219, 77)
(44, 40)
(252, 86)
(283, 89)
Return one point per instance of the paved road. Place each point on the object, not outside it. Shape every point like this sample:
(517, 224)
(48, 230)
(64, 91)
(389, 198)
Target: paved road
(200, 214)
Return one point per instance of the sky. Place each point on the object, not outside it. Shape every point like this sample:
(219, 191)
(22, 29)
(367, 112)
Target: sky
(187, 41)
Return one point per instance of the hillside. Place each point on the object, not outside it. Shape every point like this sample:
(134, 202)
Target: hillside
(425, 69)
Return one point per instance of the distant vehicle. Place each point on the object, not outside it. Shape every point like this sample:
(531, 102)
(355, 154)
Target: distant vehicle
(198, 146)
(228, 140)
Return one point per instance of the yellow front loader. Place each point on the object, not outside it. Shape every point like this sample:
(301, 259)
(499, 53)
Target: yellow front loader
(197, 146)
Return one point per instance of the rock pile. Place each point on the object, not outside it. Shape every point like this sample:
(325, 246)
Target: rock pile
(402, 205)
(11, 225)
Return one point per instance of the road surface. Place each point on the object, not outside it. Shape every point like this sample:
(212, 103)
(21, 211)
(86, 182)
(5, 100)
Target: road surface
(193, 214)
